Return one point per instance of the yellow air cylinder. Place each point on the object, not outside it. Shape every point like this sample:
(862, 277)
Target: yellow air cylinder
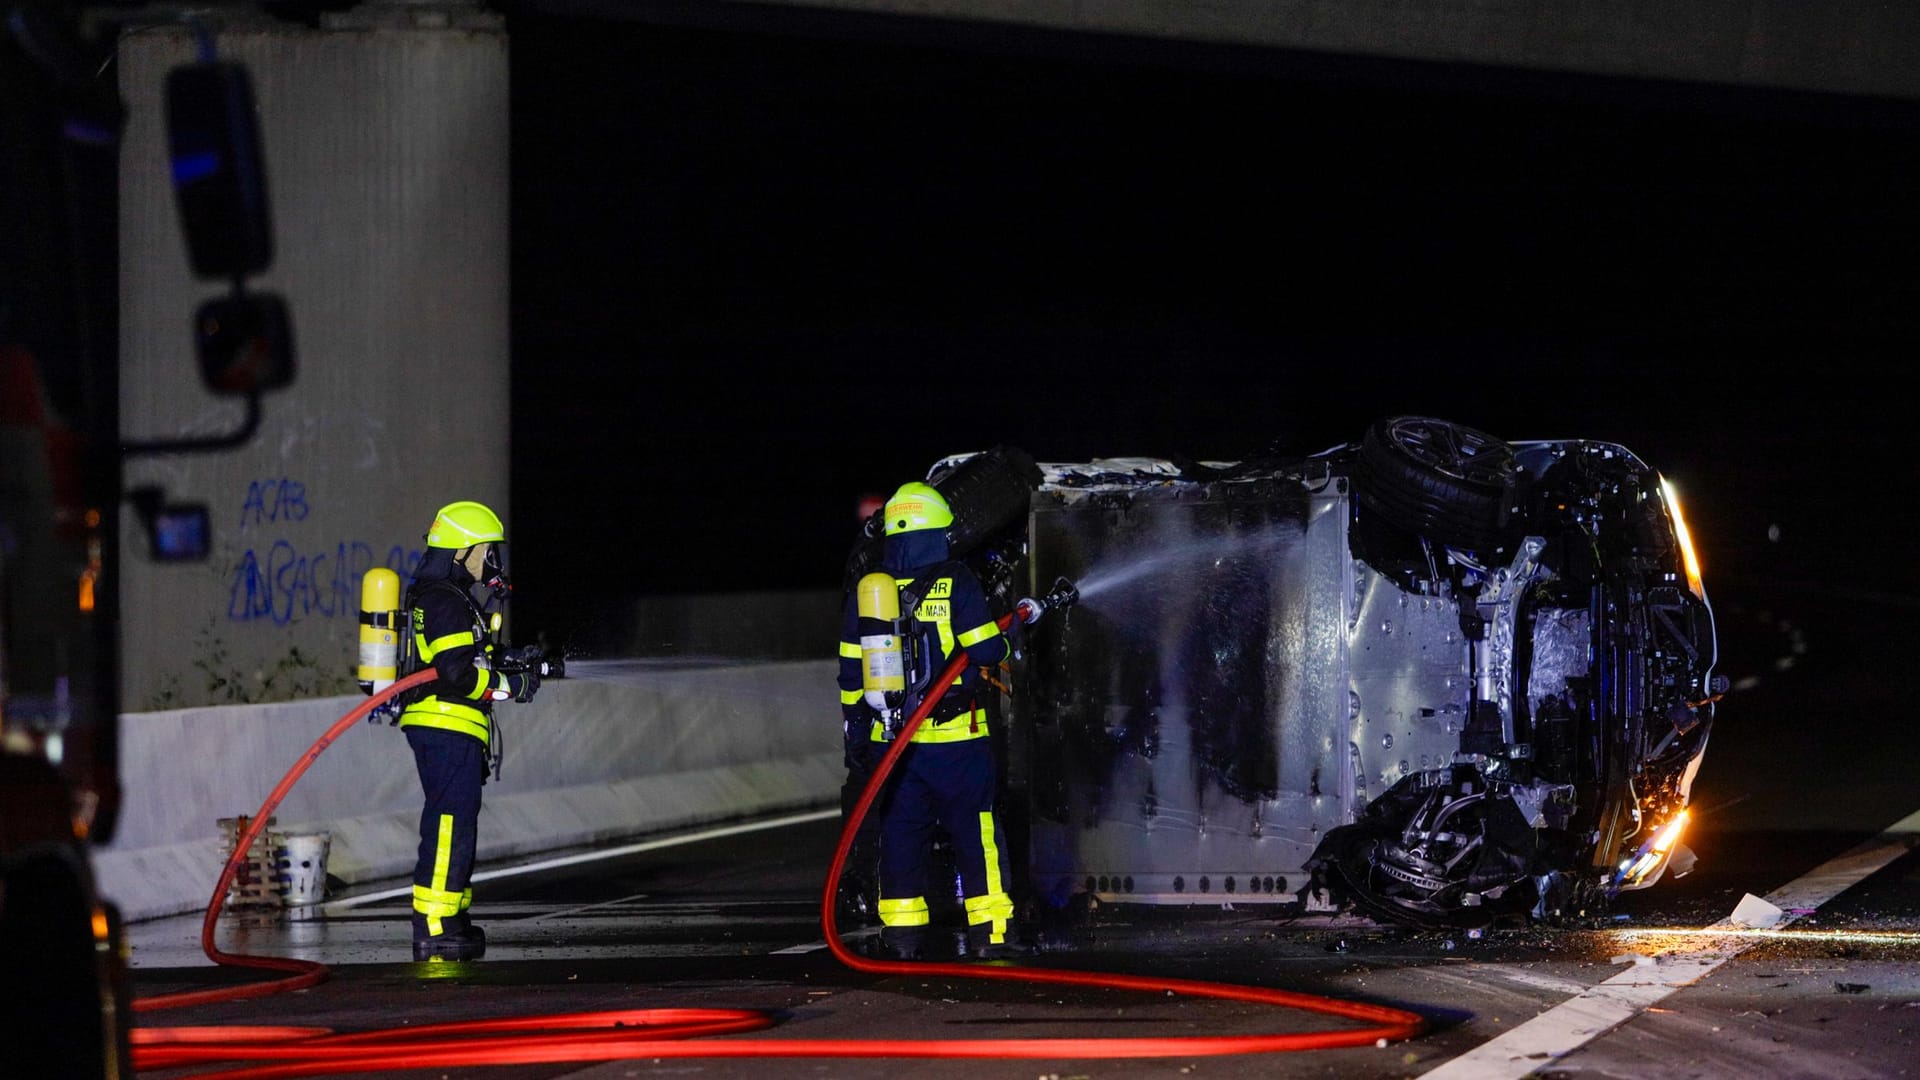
(379, 630)
(883, 666)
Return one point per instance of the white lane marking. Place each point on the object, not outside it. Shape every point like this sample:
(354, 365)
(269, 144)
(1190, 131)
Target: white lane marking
(594, 856)
(563, 912)
(638, 905)
(1539, 981)
(1539, 1042)
(816, 946)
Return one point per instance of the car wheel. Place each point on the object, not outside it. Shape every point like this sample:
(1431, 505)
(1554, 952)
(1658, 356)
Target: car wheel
(1453, 484)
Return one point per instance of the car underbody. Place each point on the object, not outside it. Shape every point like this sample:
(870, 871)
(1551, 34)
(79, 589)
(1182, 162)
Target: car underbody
(1431, 676)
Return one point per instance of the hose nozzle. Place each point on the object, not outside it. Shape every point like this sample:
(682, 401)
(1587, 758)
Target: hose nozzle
(1062, 595)
(534, 658)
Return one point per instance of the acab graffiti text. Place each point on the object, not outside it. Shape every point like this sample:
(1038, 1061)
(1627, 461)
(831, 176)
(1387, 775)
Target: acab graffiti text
(285, 584)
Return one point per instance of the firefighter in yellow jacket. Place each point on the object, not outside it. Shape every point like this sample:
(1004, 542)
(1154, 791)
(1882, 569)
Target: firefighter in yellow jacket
(947, 777)
(455, 605)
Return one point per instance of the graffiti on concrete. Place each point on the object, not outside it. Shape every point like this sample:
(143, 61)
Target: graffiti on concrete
(282, 583)
(274, 500)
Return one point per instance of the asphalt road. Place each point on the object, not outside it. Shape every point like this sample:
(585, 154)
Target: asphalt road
(1808, 767)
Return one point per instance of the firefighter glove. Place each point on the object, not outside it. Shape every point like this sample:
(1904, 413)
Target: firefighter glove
(523, 685)
(857, 727)
(1016, 634)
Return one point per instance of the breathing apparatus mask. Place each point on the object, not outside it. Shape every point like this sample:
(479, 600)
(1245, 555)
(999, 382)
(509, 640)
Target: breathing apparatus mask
(493, 586)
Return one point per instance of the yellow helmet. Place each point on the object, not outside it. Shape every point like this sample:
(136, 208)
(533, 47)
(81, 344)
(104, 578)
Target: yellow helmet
(917, 506)
(464, 524)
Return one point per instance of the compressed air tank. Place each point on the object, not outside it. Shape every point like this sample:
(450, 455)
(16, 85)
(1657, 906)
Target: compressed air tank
(883, 668)
(380, 630)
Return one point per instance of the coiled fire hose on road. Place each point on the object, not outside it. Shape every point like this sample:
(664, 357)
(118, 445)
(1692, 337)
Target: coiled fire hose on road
(662, 1033)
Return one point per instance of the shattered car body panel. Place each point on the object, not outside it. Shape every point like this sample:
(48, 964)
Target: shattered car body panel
(1431, 675)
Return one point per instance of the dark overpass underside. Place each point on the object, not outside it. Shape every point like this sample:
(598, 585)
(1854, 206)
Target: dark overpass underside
(1848, 48)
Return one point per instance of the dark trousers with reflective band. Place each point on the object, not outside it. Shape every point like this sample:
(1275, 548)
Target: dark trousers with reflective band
(451, 767)
(951, 785)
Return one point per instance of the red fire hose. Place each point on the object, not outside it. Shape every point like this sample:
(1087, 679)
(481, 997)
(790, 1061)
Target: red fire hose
(661, 1033)
(305, 972)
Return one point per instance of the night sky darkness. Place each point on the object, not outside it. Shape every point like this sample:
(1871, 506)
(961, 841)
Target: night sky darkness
(759, 273)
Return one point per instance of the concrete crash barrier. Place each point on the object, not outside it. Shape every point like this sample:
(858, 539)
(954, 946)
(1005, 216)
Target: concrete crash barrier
(618, 749)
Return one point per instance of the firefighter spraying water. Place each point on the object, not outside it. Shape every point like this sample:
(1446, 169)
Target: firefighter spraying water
(453, 619)
(904, 623)
(889, 645)
(387, 647)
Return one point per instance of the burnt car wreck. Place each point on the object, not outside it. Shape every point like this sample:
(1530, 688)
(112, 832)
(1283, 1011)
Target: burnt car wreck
(1432, 676)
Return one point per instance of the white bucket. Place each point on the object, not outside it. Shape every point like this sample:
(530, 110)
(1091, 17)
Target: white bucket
(305, 863)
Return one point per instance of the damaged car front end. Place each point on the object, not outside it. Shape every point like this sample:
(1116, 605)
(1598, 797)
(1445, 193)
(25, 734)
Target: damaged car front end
(1431, 675)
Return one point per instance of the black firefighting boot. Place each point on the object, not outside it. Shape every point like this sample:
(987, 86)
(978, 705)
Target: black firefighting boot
(903, 942)
(981, 946)
(458, 939)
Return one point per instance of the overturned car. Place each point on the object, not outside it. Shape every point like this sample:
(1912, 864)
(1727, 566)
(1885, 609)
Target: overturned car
(1432, 675)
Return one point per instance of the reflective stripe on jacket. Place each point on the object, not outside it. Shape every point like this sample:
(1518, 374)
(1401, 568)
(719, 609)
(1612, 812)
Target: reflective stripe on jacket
(448, 634)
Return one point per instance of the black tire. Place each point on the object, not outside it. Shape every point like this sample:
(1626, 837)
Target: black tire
(987, 492)
(1453, 484)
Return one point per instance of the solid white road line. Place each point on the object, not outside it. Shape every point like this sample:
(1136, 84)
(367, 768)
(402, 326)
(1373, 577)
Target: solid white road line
(1538, 981)
(564, 912)
(597, 855)
(816, 946)
(1559, 1031)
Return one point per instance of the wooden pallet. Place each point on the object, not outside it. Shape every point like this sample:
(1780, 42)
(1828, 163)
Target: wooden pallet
(258, 883)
